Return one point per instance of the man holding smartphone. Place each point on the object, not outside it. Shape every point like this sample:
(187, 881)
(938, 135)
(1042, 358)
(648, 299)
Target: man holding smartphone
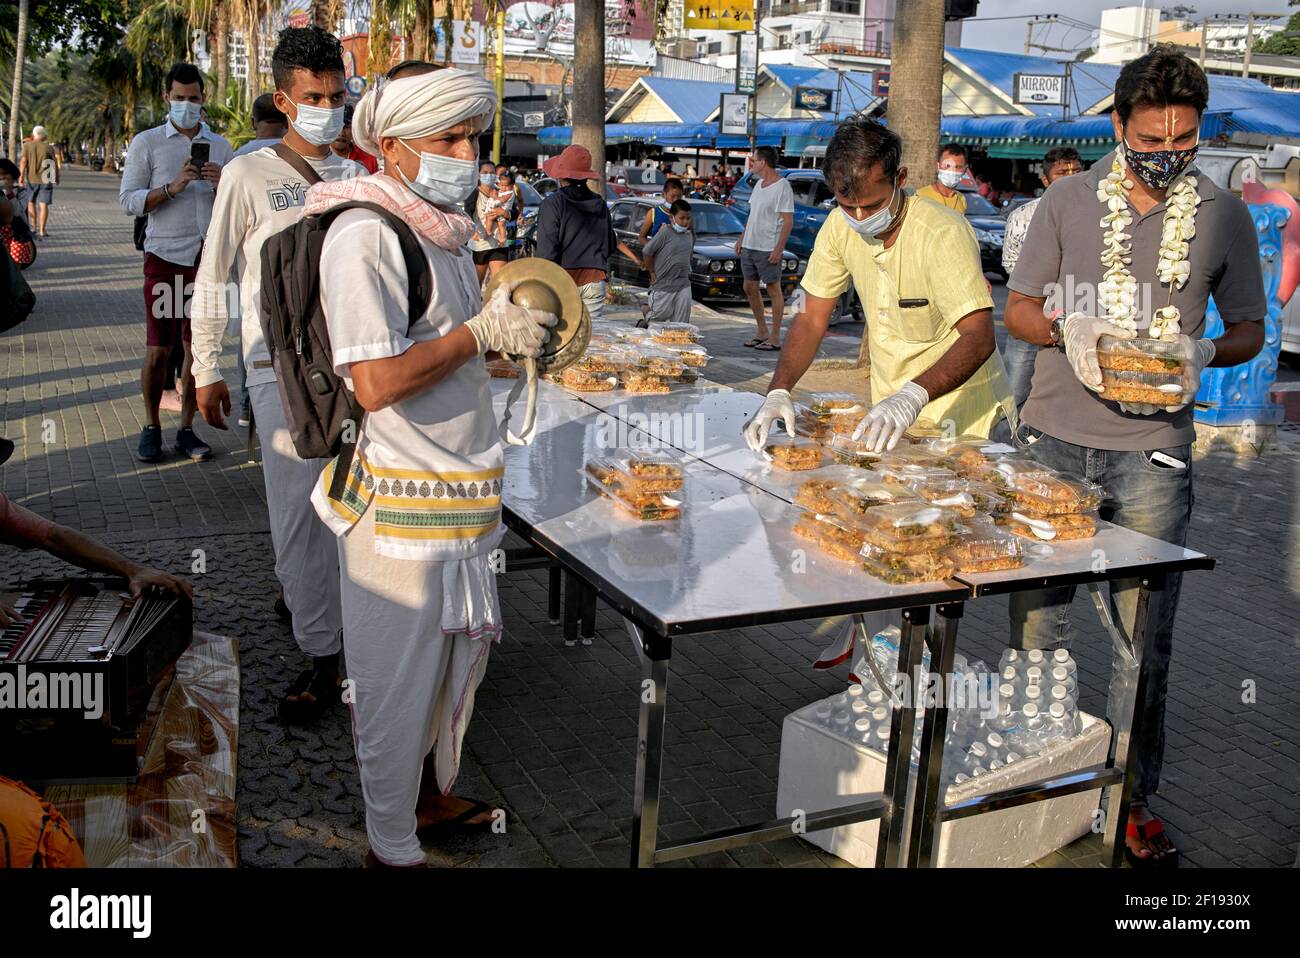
(171, 176)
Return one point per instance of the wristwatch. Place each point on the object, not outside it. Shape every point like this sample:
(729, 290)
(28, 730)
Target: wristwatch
(1057, 331)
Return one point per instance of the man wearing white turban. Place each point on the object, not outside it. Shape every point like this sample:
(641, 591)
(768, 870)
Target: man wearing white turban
(421, 511)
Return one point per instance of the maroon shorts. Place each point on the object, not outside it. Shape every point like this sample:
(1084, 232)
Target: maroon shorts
(167, 290)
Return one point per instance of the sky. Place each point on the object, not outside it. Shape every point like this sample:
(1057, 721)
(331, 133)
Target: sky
(987, 33)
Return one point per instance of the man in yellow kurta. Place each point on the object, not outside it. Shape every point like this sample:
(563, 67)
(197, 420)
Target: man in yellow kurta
(916, 268)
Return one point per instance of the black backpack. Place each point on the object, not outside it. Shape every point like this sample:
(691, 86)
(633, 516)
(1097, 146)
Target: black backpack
(16, 298)
(317, 404)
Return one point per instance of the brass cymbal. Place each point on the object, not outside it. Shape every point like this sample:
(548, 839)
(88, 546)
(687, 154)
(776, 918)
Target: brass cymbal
(541, 284)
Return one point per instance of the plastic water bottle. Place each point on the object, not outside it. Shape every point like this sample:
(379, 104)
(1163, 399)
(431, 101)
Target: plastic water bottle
(1058, 725)
(1032, 695)
(996, 744)
(859, 708)
(1063, 657)
(822, 714)
(1005, 720)
(875, 697)
(882, 738)
(1011, 676)
(1011, 757)
(1012, 657)
(976, 756)
(1063, 676)
(840, 722)
(996, 764)
(1027, 739)
(1034, 675)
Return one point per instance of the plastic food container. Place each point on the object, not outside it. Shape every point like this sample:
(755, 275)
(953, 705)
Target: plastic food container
(793, 453)
(836, 538)
(813, 489)
(503, 369)
(1058, 528)
(910, 528)
(696, 356)
(600, 361)
(852, 499)
(1002, 470)
(588, 380)
(966, 456)
(1139, 355)
(984, 547)
(1045, 494)
(837, 404)
(853, 452)
(637, 473)
(1158, 389)
(645, 506)
(807, 423)
(908, 474)
(968, 497)
(905, 568)
(684, 333)
(643, 381)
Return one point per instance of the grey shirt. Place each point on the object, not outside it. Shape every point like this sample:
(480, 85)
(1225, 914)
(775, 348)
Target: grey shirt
(1061, 260)
(672, 253)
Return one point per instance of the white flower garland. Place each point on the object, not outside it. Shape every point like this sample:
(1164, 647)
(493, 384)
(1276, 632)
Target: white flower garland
(1117, 295)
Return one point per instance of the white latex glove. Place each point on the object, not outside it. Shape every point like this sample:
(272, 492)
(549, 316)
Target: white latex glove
(776, 406)
(890, 418)
(504, 327)
(1079, 336)
(1196, 354)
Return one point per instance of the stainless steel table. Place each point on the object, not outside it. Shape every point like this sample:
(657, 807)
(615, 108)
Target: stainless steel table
(680, 578)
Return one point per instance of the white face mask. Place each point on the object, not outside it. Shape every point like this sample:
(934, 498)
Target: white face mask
(680, 229)
(951, 178)
(184, 114)
(877, 222)
(317, 125)
(443, 180)
(487, 179)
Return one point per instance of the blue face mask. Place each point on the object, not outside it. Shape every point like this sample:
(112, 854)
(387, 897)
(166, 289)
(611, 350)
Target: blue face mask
(443, 180)
(184, 114)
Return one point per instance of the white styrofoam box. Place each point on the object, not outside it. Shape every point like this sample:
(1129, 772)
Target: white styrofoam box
(820, 770)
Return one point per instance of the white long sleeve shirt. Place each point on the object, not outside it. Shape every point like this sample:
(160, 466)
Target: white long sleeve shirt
(260, 194)
(155, 157)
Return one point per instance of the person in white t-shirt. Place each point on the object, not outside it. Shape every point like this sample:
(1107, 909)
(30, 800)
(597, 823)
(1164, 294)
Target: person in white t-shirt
(420, 513)
(261, 193)
(762, 246)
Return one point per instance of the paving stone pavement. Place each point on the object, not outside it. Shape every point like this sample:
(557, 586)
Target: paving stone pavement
(554, 732)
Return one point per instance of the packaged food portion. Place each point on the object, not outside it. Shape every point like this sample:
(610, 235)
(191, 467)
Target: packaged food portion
(1051, 494)
(696, 356)
(647, 506)
(1126, 385)
(968, 497)
(640, 473)
(906, 474)
(807, 423)
(1139, 355)
(644, 381)
(689, 377)
(814, 486)
(793, 453)
(985, 547)
(852, 499)
(1002, 470)
(966, 455)
(837, 404)
(910, 527)
(899, 568)
(657, 361)
(853, 452)
(503, 369)
(600, 361)
(1057, 528)
(588, 380)
(836, 536)
(674, 332)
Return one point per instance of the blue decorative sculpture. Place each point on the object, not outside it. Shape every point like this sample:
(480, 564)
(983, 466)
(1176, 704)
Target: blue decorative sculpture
(1239, 394)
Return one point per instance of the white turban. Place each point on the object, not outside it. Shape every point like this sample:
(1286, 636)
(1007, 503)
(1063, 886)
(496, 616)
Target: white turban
(420, 105)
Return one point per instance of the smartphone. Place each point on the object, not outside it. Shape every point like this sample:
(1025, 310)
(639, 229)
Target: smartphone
(199, 155)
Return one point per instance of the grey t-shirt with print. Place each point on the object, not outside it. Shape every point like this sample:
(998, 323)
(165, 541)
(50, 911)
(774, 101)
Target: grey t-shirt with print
(1061, 260)
(672, 253)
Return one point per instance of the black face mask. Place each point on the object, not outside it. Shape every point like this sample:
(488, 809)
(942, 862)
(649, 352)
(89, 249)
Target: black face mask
(1158, 168)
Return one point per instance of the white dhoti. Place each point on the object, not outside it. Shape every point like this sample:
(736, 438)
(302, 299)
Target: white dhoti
(670, 306)
(306, 552)
(418, 637)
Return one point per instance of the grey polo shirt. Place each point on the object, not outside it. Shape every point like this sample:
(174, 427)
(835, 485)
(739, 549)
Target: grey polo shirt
(1061, 260)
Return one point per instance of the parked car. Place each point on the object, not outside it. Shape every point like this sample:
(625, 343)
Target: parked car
(715, 267)
(990, 225)
(641, 180)
(613, 191)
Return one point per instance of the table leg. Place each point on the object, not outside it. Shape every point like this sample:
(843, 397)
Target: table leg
(649, 747)
(555, 574)
(572, 604)
(928, 801)
(1126, 712)
(898, 763)
(587, 614)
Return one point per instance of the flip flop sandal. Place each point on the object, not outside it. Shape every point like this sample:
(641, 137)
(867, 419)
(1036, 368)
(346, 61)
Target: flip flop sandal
(457, 823)
(753, 343)
(321, 682)
(1144, 833)
(767, 347)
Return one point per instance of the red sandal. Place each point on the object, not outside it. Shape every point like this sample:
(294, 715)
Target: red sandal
(1145, 832)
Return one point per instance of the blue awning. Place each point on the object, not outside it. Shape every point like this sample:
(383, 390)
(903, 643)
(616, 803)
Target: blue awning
(703, 135)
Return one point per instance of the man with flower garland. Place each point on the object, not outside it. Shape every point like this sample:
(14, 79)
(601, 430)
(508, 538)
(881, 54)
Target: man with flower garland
(1146, 241)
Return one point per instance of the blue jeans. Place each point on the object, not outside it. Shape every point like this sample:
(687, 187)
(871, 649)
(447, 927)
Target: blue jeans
(1018, 357)
(1144, 496)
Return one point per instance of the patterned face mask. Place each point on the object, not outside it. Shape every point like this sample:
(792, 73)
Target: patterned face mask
(1158, 168)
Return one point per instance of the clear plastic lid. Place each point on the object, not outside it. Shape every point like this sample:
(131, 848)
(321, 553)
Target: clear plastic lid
(600, 360)
(588, 380)
(656, 359)
(836, 403)
(1049, 495)
(691, 355)
(984, 547)
(674, 332)
(1000, 471)
(855, 497)
(967, 496)
(1141, 354)
(855, 452)
(649, 507)
(835, 537)
(645, 380)
(908, 473)
(1048, 528)
(910, 527)
(900, 569)
(793, 452)
(814, 491)
(637, 473)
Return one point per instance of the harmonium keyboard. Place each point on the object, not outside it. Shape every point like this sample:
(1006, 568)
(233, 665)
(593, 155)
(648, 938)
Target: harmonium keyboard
(77, 673)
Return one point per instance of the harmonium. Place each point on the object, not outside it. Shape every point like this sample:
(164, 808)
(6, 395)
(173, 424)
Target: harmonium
(79, 670)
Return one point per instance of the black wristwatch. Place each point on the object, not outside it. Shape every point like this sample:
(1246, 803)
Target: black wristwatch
(1057, 332)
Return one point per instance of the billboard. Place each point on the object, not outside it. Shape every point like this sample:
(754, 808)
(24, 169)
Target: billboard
(719, 14)
(536, 26)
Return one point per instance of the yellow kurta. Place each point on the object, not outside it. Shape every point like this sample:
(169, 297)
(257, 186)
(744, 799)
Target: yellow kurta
(936, 258)
(956, 202)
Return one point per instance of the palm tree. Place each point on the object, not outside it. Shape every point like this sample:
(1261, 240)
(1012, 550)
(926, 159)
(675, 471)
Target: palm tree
(159, 36)
(589, 79)
(916, 84)
(20, 55)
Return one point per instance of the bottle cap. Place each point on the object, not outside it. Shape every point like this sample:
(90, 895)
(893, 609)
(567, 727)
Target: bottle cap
(860, 706)
(879, 713)
(995, 765)
(1009, 674)
(1032, 692)
(1030, 710)
(994, 740)
(979, 749)
(882, 735)
(1060, 673)
(1035, 656)
(1011, 655)
(1033, 674)
(862, 725)
(960, 778)
(1061, 655)
(977, 771)
(1057, 711)
(1013, 757)
(842, 699)
(824, 710)
(1006, 690)
(1059, 692)
(854, 690)
(875, 697)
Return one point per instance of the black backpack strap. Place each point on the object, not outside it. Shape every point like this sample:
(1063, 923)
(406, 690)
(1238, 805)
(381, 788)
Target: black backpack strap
(296, 161)
(419, 289)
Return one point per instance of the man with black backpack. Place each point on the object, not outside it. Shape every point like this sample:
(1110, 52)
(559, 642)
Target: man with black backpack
(261, 194)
